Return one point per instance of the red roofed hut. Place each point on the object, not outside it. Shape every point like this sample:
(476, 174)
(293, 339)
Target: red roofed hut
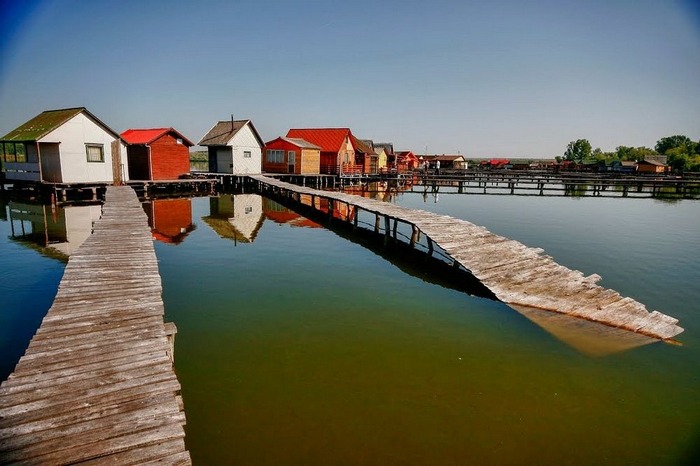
(337, 151)
(157, 153)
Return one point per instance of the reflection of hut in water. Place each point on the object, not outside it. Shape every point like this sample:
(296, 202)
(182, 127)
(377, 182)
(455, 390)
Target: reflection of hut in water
(55, 231)
(170, 219)
(3, 208)
(236, 217)
(284, 216)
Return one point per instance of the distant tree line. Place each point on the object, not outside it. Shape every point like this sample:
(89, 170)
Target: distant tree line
(682, 154)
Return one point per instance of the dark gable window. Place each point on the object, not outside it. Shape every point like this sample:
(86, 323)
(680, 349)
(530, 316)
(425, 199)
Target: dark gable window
(95, 152)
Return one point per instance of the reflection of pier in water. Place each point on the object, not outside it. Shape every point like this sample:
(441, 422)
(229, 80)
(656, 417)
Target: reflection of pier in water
(516, 274)
(585, 336)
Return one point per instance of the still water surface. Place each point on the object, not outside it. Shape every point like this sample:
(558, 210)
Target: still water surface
(298, 346)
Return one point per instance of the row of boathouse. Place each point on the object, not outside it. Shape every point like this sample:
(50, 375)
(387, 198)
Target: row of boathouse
(72, 146)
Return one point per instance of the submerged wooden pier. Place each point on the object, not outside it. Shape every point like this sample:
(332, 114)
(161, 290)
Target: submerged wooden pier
(517, 275)
(96, 384)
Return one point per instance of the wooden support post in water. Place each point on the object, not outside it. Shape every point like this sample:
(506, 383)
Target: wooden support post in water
(387, 229)
(354, 220)
(414, 235)
(376, 223)
(396, 221)
(430, 246)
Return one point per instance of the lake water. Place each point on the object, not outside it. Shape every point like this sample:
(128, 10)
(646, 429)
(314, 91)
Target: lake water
(298, 344)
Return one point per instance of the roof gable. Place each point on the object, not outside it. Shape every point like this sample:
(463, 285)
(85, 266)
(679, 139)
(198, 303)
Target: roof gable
(223, 131)
(147, 136)
(362, 146)
(47, 121)
(328, 139)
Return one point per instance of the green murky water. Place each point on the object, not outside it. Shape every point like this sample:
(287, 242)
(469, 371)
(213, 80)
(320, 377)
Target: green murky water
(297, 345)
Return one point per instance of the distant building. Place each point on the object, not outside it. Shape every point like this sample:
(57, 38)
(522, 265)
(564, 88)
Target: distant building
(157, 153)
(446, 161)
(235, 147)
(69, 145)
(403, 161)
(651, 166)
(291, 155)
(365, 156)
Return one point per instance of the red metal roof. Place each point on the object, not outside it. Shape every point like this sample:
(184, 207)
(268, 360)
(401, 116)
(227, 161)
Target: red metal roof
(328, 139)
(147, 136)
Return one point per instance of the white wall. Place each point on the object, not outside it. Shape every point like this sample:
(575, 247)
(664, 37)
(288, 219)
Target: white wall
(245, 140)
(247, 212)
(72, 136)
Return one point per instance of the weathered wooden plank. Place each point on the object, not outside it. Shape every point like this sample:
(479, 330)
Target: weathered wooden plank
(52, 426)
(99, 449)
(151, 454)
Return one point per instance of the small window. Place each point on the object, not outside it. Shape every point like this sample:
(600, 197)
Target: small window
(290, 156)
(95, 152)
(10, 152)
(20, 153)
(179, 140)
(248, 210)
(246, 154)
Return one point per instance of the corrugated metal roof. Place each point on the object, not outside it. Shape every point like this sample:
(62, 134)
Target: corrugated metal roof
(42, 124)
(301, 143)
(328, 139)
(147, 136)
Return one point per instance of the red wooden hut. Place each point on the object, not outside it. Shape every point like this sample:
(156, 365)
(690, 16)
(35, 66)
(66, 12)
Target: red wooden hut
(291, 155)
(157, 153)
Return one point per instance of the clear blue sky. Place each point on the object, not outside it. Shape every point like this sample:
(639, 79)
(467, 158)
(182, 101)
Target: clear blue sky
(485, 78)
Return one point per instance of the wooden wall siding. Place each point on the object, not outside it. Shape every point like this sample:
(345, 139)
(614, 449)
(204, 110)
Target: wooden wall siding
(245, 140)
(309, 161)
(516, 274)
(96, 383)
(170, 160)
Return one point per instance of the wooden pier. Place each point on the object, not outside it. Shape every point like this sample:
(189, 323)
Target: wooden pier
(517, 275)
(519, 183)
(96, 384)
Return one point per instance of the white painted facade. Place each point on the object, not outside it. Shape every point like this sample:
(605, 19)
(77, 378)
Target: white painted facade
(245, 143)
(68, 144)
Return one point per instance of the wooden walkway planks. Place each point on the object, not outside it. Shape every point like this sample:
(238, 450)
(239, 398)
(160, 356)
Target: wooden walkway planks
(516, 274)
(96, 383)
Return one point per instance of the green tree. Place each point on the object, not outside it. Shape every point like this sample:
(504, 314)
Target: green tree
(633, 153)
(663, 145)
(578, 150)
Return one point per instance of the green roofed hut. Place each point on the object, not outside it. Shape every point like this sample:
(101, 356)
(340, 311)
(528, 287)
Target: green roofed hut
(69, 145)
